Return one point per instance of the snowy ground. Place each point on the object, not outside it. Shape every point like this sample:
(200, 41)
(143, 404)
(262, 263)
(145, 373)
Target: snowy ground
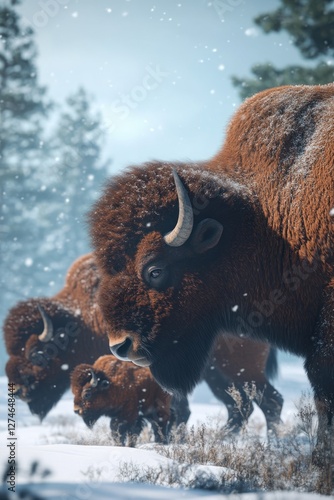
(92, 472)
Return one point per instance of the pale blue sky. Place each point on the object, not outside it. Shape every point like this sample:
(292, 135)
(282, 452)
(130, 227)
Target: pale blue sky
(160, 70)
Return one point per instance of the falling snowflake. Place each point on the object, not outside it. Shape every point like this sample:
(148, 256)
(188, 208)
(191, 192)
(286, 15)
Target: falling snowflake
(251, 32)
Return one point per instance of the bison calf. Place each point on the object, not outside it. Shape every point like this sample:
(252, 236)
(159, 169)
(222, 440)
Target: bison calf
(127, 394)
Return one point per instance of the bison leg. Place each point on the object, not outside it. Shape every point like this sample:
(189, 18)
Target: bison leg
(134, 431)
(118, 429)
(270, 401)
(160, 432)
(239, 407)
(320, 371)
(162, 423)
(126, 431)
(319, 365)
(181, 410)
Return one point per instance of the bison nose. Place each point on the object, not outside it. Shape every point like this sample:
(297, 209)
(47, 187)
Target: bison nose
(19, 393)
(77, 410)
(121, 350)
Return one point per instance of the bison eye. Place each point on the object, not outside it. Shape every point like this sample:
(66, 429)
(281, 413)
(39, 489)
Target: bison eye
(155, 273)
(104, 383)
(156, 276)
(86, 395)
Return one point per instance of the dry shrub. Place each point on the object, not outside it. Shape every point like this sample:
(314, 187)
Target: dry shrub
(243, 463)
(66, 431)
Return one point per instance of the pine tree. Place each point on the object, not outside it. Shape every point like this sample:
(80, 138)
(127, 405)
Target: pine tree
(46, 185)
(22, 106)
(79, 171)
(310, 23)
(23, 110)
(267, 76)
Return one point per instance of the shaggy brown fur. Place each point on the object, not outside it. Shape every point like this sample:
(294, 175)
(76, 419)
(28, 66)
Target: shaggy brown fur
(41, 371)
(126, 393)
(271, 188)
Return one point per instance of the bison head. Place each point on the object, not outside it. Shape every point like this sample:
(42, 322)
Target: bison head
(27, 321)
(40, 388)
(165, 240)
(91, 389)
(38, 344)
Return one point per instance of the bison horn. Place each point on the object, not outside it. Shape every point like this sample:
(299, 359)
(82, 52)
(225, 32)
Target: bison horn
(181, 232)
(47, 333)
(93, 381)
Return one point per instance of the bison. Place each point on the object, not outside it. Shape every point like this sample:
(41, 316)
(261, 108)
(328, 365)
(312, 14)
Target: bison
(41, 362)
(115, 389)
(47, 337)
(242, 243)
(126, 393)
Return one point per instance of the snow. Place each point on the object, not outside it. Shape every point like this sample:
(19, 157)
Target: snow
(251, 32)
(91, 471)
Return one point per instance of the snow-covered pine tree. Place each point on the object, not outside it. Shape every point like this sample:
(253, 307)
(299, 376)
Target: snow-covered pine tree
(23, 111)
(79, 173)
(310, 25)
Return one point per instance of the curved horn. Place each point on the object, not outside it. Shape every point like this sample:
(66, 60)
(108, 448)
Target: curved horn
(47, 333)
(93, 382)
(185, 222)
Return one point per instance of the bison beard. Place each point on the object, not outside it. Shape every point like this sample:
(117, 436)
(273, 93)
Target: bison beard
(180, 369)
(90, 419)
(46, 398)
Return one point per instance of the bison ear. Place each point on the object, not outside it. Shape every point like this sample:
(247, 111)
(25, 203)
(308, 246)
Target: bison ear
(206, 235)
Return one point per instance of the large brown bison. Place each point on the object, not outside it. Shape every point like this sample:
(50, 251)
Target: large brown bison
(47, 337)
(126, 393)
(242, 243)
